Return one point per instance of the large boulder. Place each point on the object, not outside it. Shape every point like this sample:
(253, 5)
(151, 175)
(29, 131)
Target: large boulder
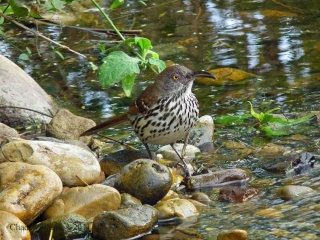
(19, 90)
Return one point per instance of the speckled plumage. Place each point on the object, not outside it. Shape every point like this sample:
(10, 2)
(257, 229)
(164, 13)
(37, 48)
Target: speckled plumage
(165, 111)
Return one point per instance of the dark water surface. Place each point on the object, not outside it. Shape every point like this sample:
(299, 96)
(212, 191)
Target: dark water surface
(279, 41)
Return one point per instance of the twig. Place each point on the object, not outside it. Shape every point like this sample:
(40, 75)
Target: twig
(36, 33)
(28, 109)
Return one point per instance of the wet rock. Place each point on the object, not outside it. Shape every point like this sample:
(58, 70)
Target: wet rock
(145, 179)
(170, 195)
(199, 206)
(181, 208)
(12, 228)
(69, 226)
(236, 193)
(114, 162)
(292, 164)
(292, 191)
(65, 125)
(74, 165)
(27, 190)
(88, 201)
(236, 234)
(272, 213)
(125, 223)
(215, 179)
(271, 149)
(201, 197)
(129, 201)
(201, 135)
(13, 84)
(168, 153)
(7, 132)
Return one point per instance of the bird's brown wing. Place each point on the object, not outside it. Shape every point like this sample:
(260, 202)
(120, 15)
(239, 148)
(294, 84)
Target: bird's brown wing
(106, 124)
(145, 101)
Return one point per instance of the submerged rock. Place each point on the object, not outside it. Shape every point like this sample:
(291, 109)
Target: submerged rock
(88, 201)
(144, 179)
(125, 223)
(236, 193)
(292, 191)
(235, 234)
(74, 165)
(69, 226)
(12, 228)
(27, 190)
(13, 85)
(181, 208)
(168, 153)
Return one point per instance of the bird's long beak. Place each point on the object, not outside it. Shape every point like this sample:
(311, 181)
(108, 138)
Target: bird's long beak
(203, 74)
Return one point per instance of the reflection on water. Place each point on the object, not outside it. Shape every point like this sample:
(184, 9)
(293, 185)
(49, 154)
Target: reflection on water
(277, 40)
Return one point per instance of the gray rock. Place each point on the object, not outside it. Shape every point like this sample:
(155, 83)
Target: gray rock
(67, 126)
(168, 153)
(125, 223)
(69, 226)
(145, 179)
(201, 135)
(13, 85)
(292, 191)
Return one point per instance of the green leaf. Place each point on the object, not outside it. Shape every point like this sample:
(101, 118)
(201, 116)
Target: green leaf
(116, 3)
(117, 66)
(127, 84)
(232, 120)
(259, 116)
(59, 54)
(24, 56)
(144, 44)
(28, 51)
(93, 66)
(158, 63)
(55, 5)
(19, 9)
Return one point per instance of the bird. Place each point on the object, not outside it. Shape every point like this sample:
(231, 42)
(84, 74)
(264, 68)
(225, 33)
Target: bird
(164, 112)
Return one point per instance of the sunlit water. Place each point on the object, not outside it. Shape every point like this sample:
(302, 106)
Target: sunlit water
(282, 48)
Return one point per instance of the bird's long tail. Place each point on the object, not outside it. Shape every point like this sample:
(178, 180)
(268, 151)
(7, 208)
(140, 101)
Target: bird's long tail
(106, 124)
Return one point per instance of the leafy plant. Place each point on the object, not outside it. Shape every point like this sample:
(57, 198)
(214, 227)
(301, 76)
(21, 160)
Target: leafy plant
(276, 126)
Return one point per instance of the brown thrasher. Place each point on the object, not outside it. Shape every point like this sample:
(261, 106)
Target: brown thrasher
(164, 112)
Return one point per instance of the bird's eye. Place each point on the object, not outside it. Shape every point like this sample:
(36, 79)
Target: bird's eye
(175, 77)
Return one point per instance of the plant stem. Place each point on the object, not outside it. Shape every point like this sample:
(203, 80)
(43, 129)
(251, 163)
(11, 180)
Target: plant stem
(108, 19)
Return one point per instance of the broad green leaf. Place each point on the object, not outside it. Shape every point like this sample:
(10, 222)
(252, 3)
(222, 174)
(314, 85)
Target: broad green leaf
(55, 5)
(153, 54)
(116, 3)
(19, 9)
(24, 56)
(102, 48)
(127, 84)
(1, 20)
(28, 50)
(117, 66)
(158, 63)
(144, 44)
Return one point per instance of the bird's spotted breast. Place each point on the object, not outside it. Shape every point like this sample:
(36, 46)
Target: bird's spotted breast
(168, 121)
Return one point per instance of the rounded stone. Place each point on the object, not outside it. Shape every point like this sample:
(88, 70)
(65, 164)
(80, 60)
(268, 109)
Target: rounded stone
(74, 165)
(292, 191)
(145, 179)
(12, 228)
(88, 201)
(69, 226)
(125, 223)
(235, 234)
(181, 208)
(27, 190)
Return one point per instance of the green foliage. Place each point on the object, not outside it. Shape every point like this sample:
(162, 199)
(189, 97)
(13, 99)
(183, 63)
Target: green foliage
(25, 55)
(276, 126)
(232, 120)
(19, 9)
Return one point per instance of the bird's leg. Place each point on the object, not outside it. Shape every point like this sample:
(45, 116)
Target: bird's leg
(185, 143)
(186, 169)
(149, 152)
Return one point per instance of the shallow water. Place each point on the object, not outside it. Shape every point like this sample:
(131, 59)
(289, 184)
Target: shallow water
(279, 41)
